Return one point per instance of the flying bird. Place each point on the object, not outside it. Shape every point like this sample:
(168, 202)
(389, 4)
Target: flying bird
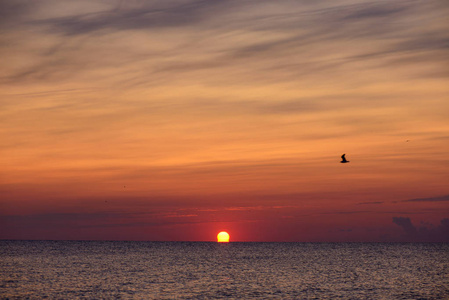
(343, 159)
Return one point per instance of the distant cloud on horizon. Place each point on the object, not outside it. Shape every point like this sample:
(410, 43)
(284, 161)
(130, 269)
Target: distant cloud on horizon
(425, 232)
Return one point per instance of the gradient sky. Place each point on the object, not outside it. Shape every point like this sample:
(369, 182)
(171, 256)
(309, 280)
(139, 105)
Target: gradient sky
(173, 120)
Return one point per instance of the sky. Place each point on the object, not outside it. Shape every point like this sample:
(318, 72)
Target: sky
(174, 120)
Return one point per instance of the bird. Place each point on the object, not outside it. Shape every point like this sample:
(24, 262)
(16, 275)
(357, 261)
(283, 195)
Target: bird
(343, 159)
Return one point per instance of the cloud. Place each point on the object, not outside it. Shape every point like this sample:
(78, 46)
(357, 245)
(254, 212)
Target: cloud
(64, 221)
(430, 199)
(406, 224)
(146, 15)
(376, 10)
(425, 232)
(11, 11)
(274, 42)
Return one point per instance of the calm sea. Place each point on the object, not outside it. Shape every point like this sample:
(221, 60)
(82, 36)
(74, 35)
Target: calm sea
(182, 270)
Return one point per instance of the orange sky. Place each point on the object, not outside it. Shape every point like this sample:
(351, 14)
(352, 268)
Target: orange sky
(174, 120)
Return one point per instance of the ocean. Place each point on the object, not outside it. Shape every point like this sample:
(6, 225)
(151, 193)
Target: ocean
(209, 270)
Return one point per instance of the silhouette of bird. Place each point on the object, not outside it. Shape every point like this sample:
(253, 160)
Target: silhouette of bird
(343, 159)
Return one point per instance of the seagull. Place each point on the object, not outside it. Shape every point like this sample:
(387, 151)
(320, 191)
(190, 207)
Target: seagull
(343, 159)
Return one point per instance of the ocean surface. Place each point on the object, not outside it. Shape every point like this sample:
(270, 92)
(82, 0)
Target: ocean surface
(197, 270)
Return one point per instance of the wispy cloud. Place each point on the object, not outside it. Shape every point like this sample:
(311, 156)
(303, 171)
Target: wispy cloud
(370, 203)
(429, 199)
(283, 37)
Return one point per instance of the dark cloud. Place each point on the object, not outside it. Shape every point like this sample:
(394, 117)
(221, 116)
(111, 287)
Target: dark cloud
(425, 232)
(406, 224)
(347, 212)
(367, 203)
(156, 217)
(147, 15)
(430, 199)
(13, 11)
(375, 10)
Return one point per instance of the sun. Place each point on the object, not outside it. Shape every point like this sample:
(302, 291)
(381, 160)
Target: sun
(223, 237)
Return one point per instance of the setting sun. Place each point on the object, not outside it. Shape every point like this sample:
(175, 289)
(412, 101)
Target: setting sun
(223, 237)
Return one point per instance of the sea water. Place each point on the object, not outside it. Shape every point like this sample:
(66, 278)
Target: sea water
(206, 270)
